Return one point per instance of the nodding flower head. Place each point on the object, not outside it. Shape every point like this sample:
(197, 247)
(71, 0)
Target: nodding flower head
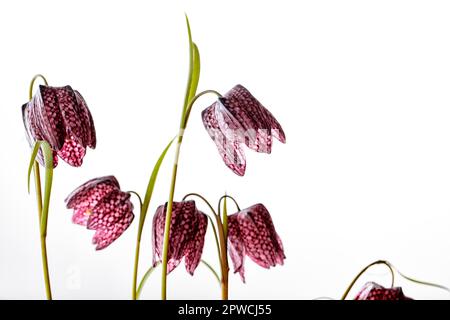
(251, 233)
(373, 291)
(99, 205)
(238, 118)
(60, 116)
(186, 237)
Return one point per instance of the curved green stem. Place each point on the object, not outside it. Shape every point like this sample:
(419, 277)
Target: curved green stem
(211, 269)
(363, 271)
(43, 207)
(219, 254)
(144, 279)
(193, 194)
(191, 103)
(36, 77)
(425, 283)
(392, 269)
(229, 197)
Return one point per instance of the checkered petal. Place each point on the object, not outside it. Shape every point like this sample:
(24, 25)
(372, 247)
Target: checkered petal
(373, 291)
(194, 249)
(187, 228)
(112, 215)
(252, 233)
(255, 121)
(229, 149)
(88, 195)
(59, 115)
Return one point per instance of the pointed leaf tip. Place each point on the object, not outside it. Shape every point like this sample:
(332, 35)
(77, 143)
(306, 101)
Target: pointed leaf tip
(34, 153)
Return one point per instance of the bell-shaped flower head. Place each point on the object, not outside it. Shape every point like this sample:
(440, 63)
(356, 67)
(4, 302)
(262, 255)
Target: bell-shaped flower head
(60, 116)
(238, 118)
(99, 205)
(186, 237)
(251, 233)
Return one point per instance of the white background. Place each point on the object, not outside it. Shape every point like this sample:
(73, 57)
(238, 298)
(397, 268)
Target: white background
(360, 87)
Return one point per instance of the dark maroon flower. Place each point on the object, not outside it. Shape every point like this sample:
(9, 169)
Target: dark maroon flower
(187, 235)
(238, 118)
(101, 206)
(251, 232)
(61, 117)
(373, 291)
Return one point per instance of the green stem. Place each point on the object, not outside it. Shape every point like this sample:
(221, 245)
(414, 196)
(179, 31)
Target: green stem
(37, 178)
(137, 251)
(224, 262)
(391, 269)
(38, 76)
(363, 271)
(189, 107)
(42, 224)
(144, 280)
(165, 252)
(211, 269)
(193, 194)
(227, 197)
(211, 221)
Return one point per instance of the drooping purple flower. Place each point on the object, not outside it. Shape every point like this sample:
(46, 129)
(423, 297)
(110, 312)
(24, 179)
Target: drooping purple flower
(100, 205)
(373, 291)
(60, 116)
(251, 233)
(238, 118)
(186, 237)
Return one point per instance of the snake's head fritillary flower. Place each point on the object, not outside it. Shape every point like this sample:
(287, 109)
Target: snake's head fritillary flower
(60, 116)
(186, 238)
(238, 118)
(373, 291)
(100, 205)
(251, 233)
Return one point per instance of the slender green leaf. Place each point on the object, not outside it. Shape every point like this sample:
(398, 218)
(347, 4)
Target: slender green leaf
(150, 187)
(144, 280)
(212, 270)
(48, 157)
(195, 72)
(34, 153)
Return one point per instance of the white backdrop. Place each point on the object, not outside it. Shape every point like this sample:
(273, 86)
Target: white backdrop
(360, 87)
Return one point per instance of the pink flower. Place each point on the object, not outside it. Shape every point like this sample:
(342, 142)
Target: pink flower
(373, 291)
(238, 118)
(101, 206)
(251, 232)
(186, 238)
(61, 117)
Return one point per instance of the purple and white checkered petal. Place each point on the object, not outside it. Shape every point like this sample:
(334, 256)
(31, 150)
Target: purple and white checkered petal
(92, 191)
(110, 210)
(229, 149)
(236, 247)
(373, 291)
(72, 152)
(104, 236)
(72, 115)
(261, 241)
(182, 232)
(256, 121)
(194, 250)
(90, 139)
(49, 117)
